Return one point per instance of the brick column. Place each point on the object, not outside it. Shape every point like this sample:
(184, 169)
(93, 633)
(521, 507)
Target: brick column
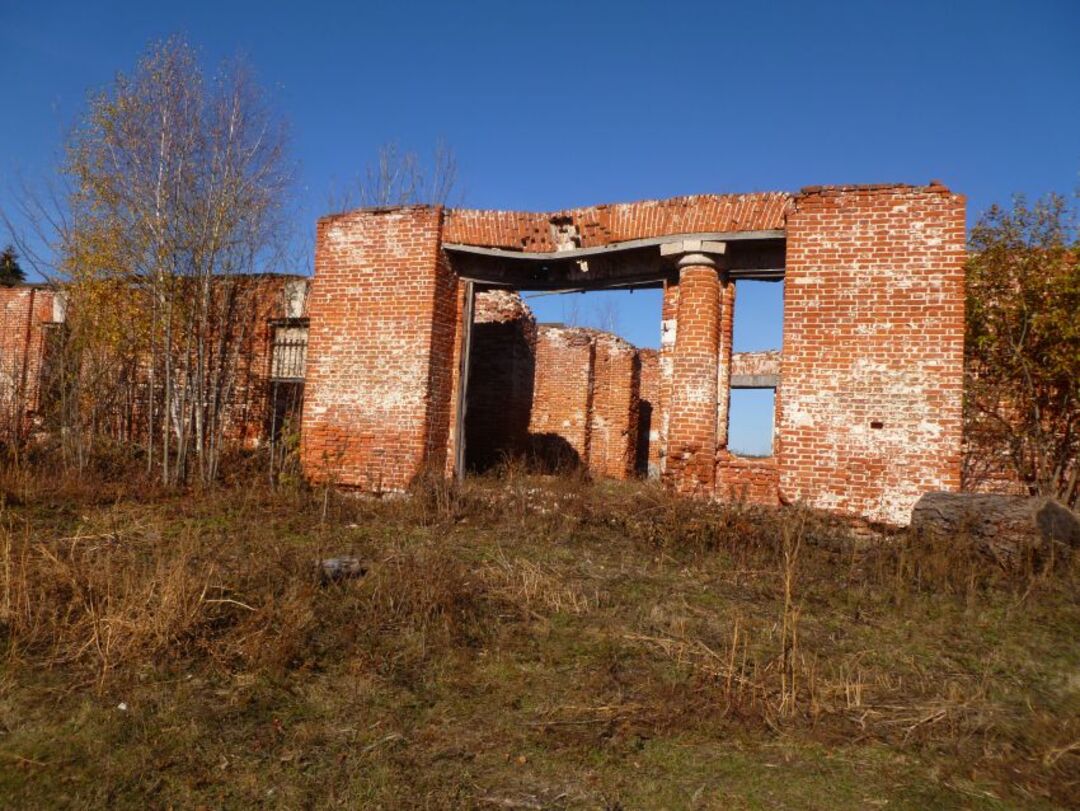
(691, 463)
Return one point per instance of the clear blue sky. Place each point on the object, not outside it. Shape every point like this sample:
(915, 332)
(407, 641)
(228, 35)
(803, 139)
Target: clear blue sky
(554, 104)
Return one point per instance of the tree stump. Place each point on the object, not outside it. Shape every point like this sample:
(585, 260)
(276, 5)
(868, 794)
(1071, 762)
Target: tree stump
(1004, 527)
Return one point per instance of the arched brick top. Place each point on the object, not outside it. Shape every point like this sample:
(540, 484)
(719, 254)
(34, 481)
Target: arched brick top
(602, 225)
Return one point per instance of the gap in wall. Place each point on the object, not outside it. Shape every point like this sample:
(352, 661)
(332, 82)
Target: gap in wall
(751, 422)
(758, 327)
(564, 380)
(759, 316)
(633, 315)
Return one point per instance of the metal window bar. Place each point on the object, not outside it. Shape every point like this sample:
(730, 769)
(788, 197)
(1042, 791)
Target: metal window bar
(289, 353)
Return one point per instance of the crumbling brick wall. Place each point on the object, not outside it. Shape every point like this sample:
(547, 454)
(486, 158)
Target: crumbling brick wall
(560, 395)
(560, 424)
(613, 432)
(262, 301)
(24, 312)
(869, 394)
(747, 479)
(593, 226)
(32, 336)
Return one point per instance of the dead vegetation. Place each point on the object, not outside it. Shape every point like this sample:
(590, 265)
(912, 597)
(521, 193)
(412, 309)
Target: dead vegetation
(516, 642)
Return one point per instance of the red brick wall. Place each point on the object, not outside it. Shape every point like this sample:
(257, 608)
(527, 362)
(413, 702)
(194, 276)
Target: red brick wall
(614, 417)
(756, 363)
(869, 402)
(384, 310)
(562, 393)
(873, 349)
(255, 300)
(601, 225)
(260, 300)
(23, 311)
(750, 480)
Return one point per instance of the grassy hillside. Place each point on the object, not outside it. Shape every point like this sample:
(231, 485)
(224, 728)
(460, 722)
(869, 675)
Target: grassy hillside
(517, 643)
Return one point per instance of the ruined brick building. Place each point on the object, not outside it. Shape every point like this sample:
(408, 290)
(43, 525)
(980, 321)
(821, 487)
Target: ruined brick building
(562, 396)
(271, 326)
(420, 357)
(868, 382)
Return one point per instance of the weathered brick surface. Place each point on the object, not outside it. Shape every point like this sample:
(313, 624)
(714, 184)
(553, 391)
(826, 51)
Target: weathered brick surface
(23, 312)
(602, 225)
(873, 349)
(261, 300)
(383, 309)
(253, 303)
(562, 394)
(692, 428)
(615, 409)
(756, 363)
(745, 479)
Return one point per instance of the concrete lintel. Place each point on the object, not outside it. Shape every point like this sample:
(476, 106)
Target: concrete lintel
(755, 381)
(614, 247)
(693, 246)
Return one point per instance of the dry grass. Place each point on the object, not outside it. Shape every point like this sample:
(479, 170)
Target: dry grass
(517, 642)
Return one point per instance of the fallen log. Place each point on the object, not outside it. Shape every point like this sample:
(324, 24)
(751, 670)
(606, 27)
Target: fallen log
(1003, 527)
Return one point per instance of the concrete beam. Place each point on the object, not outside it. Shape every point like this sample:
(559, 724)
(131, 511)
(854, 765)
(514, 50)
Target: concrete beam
(684, 246)
(755, 381)
(628, 245)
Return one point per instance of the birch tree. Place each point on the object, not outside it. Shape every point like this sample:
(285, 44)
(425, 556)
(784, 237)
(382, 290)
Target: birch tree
(178, 188)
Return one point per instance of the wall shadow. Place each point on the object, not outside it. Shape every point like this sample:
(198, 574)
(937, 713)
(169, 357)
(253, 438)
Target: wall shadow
(499, 395)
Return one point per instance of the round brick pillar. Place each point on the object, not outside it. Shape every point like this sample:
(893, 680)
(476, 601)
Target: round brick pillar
(691, 463)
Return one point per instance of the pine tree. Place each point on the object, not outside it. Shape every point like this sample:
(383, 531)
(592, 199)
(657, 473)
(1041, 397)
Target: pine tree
(10, 272)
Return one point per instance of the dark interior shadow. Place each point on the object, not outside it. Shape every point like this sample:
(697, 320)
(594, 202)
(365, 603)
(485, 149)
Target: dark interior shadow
(641, 458)
(502, 369)
(551, 453)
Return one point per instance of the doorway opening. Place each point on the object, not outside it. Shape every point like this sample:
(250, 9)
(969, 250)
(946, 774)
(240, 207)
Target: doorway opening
(563, 380)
